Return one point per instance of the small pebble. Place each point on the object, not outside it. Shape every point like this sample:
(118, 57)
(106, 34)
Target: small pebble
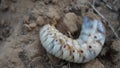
(2, 22)
(94, 64)
(53, 13)
(116, 45)
(26, 25)
(27, 19)
(32, 25)
(40, 21)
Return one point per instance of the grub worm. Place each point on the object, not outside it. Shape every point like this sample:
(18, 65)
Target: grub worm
(81, 50)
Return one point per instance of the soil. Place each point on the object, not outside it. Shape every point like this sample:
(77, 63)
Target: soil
(21, 20)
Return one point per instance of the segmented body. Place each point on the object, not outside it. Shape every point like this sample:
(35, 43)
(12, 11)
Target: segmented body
(81, 50)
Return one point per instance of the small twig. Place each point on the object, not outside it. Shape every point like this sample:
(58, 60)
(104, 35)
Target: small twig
(108, 6)
(109, 24)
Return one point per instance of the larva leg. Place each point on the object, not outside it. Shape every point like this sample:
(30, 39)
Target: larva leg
(91, 53)
(59, 54)
(66, 52)
(56, 46)
(80, 59)
(55, 49)
(49, 47)
(76, 55)
(43, 35)
(81, 50)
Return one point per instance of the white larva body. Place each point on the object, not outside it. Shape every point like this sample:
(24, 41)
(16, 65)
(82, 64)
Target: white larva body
(81, 50)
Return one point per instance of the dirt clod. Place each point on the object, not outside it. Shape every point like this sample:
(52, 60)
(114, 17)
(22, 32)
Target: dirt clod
(70, 20)
(94, 64)
(40, 21)
(32, 25)
(53, 13)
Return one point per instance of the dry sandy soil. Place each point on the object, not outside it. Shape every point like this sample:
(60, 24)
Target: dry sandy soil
(21, 20)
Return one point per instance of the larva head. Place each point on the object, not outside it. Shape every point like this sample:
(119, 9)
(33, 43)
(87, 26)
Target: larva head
(89, 27)
(87, 23)
(92, 23)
